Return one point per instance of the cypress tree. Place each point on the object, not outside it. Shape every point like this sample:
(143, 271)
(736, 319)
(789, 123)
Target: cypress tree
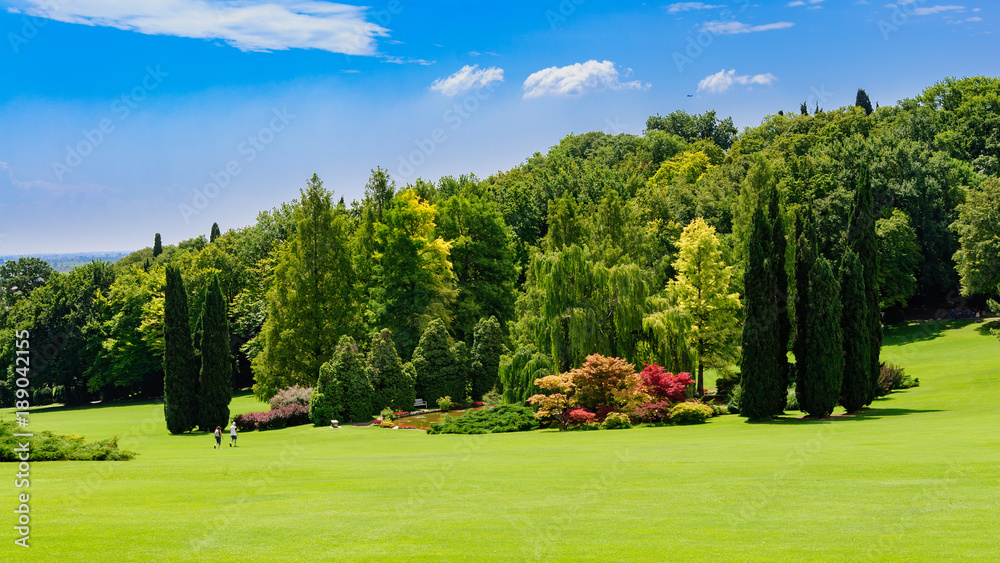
(863, 241)
(434, 362)
(180, 372)
(779, 246)
(393, 387)
(854, 391)
(759, 375)
(486, 350)
(343, 390)
(216, 233)
(157, 246)
(805, 256)
(462, 371)
(804, 109)
(351, 375)
(825, 355)
(863, 102)
(325, 403)
(216, 381)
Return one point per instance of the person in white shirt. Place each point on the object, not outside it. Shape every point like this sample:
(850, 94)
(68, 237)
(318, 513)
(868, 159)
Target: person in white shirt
(232, 434)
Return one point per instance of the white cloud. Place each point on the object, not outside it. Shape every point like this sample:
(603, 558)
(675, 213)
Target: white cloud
(467, 78)
(811, 3)
(974, 19)
(686, 6)
(577, 79)
(937, 10)
(249, 25)
(733, 27)
(721, 81)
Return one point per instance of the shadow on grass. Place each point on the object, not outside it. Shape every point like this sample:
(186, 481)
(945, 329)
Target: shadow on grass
(986, 329)
(156, 401)
(922, 331)
(870, 413)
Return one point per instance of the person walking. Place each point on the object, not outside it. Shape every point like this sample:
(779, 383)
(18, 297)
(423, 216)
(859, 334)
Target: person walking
(232, 434)
(218, 437)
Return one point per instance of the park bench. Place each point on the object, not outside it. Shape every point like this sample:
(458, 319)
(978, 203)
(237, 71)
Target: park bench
(420, 404)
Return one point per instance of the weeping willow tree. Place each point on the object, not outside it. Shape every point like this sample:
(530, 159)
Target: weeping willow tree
(584, 307)
(518, 372)
(668, 328)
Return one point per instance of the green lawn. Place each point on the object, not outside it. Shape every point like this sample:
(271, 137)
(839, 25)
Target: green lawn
(915, 478)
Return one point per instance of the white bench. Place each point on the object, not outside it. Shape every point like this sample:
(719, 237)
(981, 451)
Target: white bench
(420, 404)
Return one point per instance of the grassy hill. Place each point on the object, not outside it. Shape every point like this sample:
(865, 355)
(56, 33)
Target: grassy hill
(913, 478)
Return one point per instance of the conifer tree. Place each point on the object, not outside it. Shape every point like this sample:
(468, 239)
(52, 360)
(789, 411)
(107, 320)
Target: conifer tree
(779, 245)
(216, 233)
(157, 246)
(805, 256)
(703, 293)
(486, 350)
(863, 102)
(311, 301)
(393, 386)
(854, 391)
(434, 362)
(863, 240)
(759, 373)
(180, 372)
(343, 390)
(822, 382)
(216, 377)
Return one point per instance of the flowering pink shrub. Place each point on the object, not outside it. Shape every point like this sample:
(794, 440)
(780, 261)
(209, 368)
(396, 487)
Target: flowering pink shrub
(292, 415)
(580, 415)
(663, 385)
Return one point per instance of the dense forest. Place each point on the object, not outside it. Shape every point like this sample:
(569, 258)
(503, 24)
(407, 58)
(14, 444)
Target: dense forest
(588, 248)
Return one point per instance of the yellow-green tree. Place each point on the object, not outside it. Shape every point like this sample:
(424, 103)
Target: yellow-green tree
(703, 292)
(416, 283)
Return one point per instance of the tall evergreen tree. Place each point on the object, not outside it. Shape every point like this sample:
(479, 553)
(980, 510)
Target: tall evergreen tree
(822, 383)
(216, 377)
(180, 380)
(311, 302)
(434, 362)
(863, 240)
(393, 386)
(805, 256)
(779, 246)
(343, 389)
(157, 246)
(854, 391)
(486, 350)
(759, 372)
(863, 102)
(216, 233)
(804, 109)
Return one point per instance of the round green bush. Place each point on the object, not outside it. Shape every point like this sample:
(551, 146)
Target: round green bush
(616, 420)
(690, 413)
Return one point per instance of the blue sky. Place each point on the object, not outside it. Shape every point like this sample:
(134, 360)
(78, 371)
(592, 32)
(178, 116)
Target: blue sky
(119, 119)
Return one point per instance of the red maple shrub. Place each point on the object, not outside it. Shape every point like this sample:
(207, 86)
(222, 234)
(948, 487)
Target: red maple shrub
(658, 411)
(663, 385)
(580, 415)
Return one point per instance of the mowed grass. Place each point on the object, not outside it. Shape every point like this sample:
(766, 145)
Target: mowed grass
(915, 478)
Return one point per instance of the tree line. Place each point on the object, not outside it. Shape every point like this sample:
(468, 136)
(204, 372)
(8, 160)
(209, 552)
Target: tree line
(645, 247)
